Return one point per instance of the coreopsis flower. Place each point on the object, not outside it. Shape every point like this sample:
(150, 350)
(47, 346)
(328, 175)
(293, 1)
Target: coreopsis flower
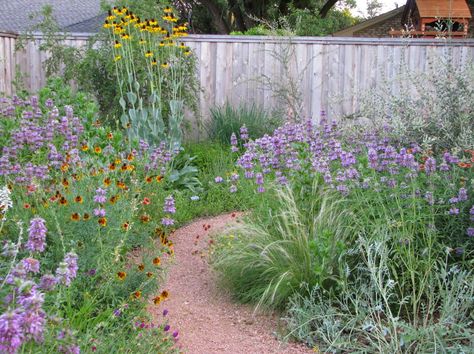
(141, 267)
(156, 261)
(121, 275)
(102, 221)
(37, 235)
(75, 217)
(78, 199)
(86, 217)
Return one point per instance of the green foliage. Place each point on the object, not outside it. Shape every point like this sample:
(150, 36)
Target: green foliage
(63, 94)
(227, 119)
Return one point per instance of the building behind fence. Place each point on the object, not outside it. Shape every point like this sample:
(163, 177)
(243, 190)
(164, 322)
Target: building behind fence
(330, 73)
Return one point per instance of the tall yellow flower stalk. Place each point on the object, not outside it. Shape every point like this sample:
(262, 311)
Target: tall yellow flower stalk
(150, 64)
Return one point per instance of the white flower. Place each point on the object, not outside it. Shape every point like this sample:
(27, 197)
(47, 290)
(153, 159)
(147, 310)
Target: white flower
(5, 201)
(195, 197)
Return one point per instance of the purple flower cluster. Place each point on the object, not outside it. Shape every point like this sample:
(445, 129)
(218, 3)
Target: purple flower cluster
(42, 133)
(23, 318)
(368, 161)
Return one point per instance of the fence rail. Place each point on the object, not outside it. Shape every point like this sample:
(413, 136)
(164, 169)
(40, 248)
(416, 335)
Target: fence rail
(330, 72)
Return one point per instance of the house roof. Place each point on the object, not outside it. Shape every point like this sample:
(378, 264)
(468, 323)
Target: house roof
(349, 31)
(443, 8)
(70, 14)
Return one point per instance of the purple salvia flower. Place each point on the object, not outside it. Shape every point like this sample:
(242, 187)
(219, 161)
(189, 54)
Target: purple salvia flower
(429, 198)
(37, 235)
(31, 265)
(47, 282)
(67, 269)
(470, 231)
(453, 211)
(233, 188)
(167, 221)
(259, 179)
(100, 196)
(218, 179)
(430, 165)
(71, 260)
(169, 206)
(99, 212)
(244, 134)
(11, 332)
(233, 143)
(462, 194)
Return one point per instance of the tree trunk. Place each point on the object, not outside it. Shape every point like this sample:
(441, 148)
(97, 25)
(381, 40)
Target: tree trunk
(326, 7)
(238, 15)
(220, 23)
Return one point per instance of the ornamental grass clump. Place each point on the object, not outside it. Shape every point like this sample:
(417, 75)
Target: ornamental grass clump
(151, 67)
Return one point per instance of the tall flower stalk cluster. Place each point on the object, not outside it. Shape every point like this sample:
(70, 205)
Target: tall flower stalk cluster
(52, 139)
(370, 161)
(151, 67)
(23, 318)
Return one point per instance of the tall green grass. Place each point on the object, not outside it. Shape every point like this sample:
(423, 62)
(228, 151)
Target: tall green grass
(269, 258)
(227, 119)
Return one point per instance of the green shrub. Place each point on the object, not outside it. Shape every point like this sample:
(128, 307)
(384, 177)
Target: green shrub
(227, 119)
(434, 108)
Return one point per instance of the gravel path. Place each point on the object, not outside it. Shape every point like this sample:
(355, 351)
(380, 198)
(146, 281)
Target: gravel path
(207, 319)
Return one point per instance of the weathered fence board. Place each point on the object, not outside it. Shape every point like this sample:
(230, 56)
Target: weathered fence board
(330, 72)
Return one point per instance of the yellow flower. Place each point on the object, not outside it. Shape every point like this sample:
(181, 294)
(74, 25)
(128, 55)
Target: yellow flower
(142, 41)
(126, 36)
(168, 10)
(162, 44)
(117, 57)
(187, 52)
(165, 65)
(148, 54)
(154, 62)
(117, 44)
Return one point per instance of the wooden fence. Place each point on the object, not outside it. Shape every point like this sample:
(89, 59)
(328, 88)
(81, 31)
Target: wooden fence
(329, 72)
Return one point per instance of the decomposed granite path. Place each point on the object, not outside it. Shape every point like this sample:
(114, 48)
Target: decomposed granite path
(207, 319)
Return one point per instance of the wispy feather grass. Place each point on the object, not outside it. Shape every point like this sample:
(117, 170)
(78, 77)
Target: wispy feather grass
(267, 259)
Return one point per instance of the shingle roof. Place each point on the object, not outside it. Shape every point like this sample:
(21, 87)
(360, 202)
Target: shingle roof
(14, 14)
(443, 8)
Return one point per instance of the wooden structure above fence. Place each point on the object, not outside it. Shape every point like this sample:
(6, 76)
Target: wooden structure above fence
(330, 72)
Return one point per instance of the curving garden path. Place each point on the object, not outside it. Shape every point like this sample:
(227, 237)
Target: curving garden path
(207, 319)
